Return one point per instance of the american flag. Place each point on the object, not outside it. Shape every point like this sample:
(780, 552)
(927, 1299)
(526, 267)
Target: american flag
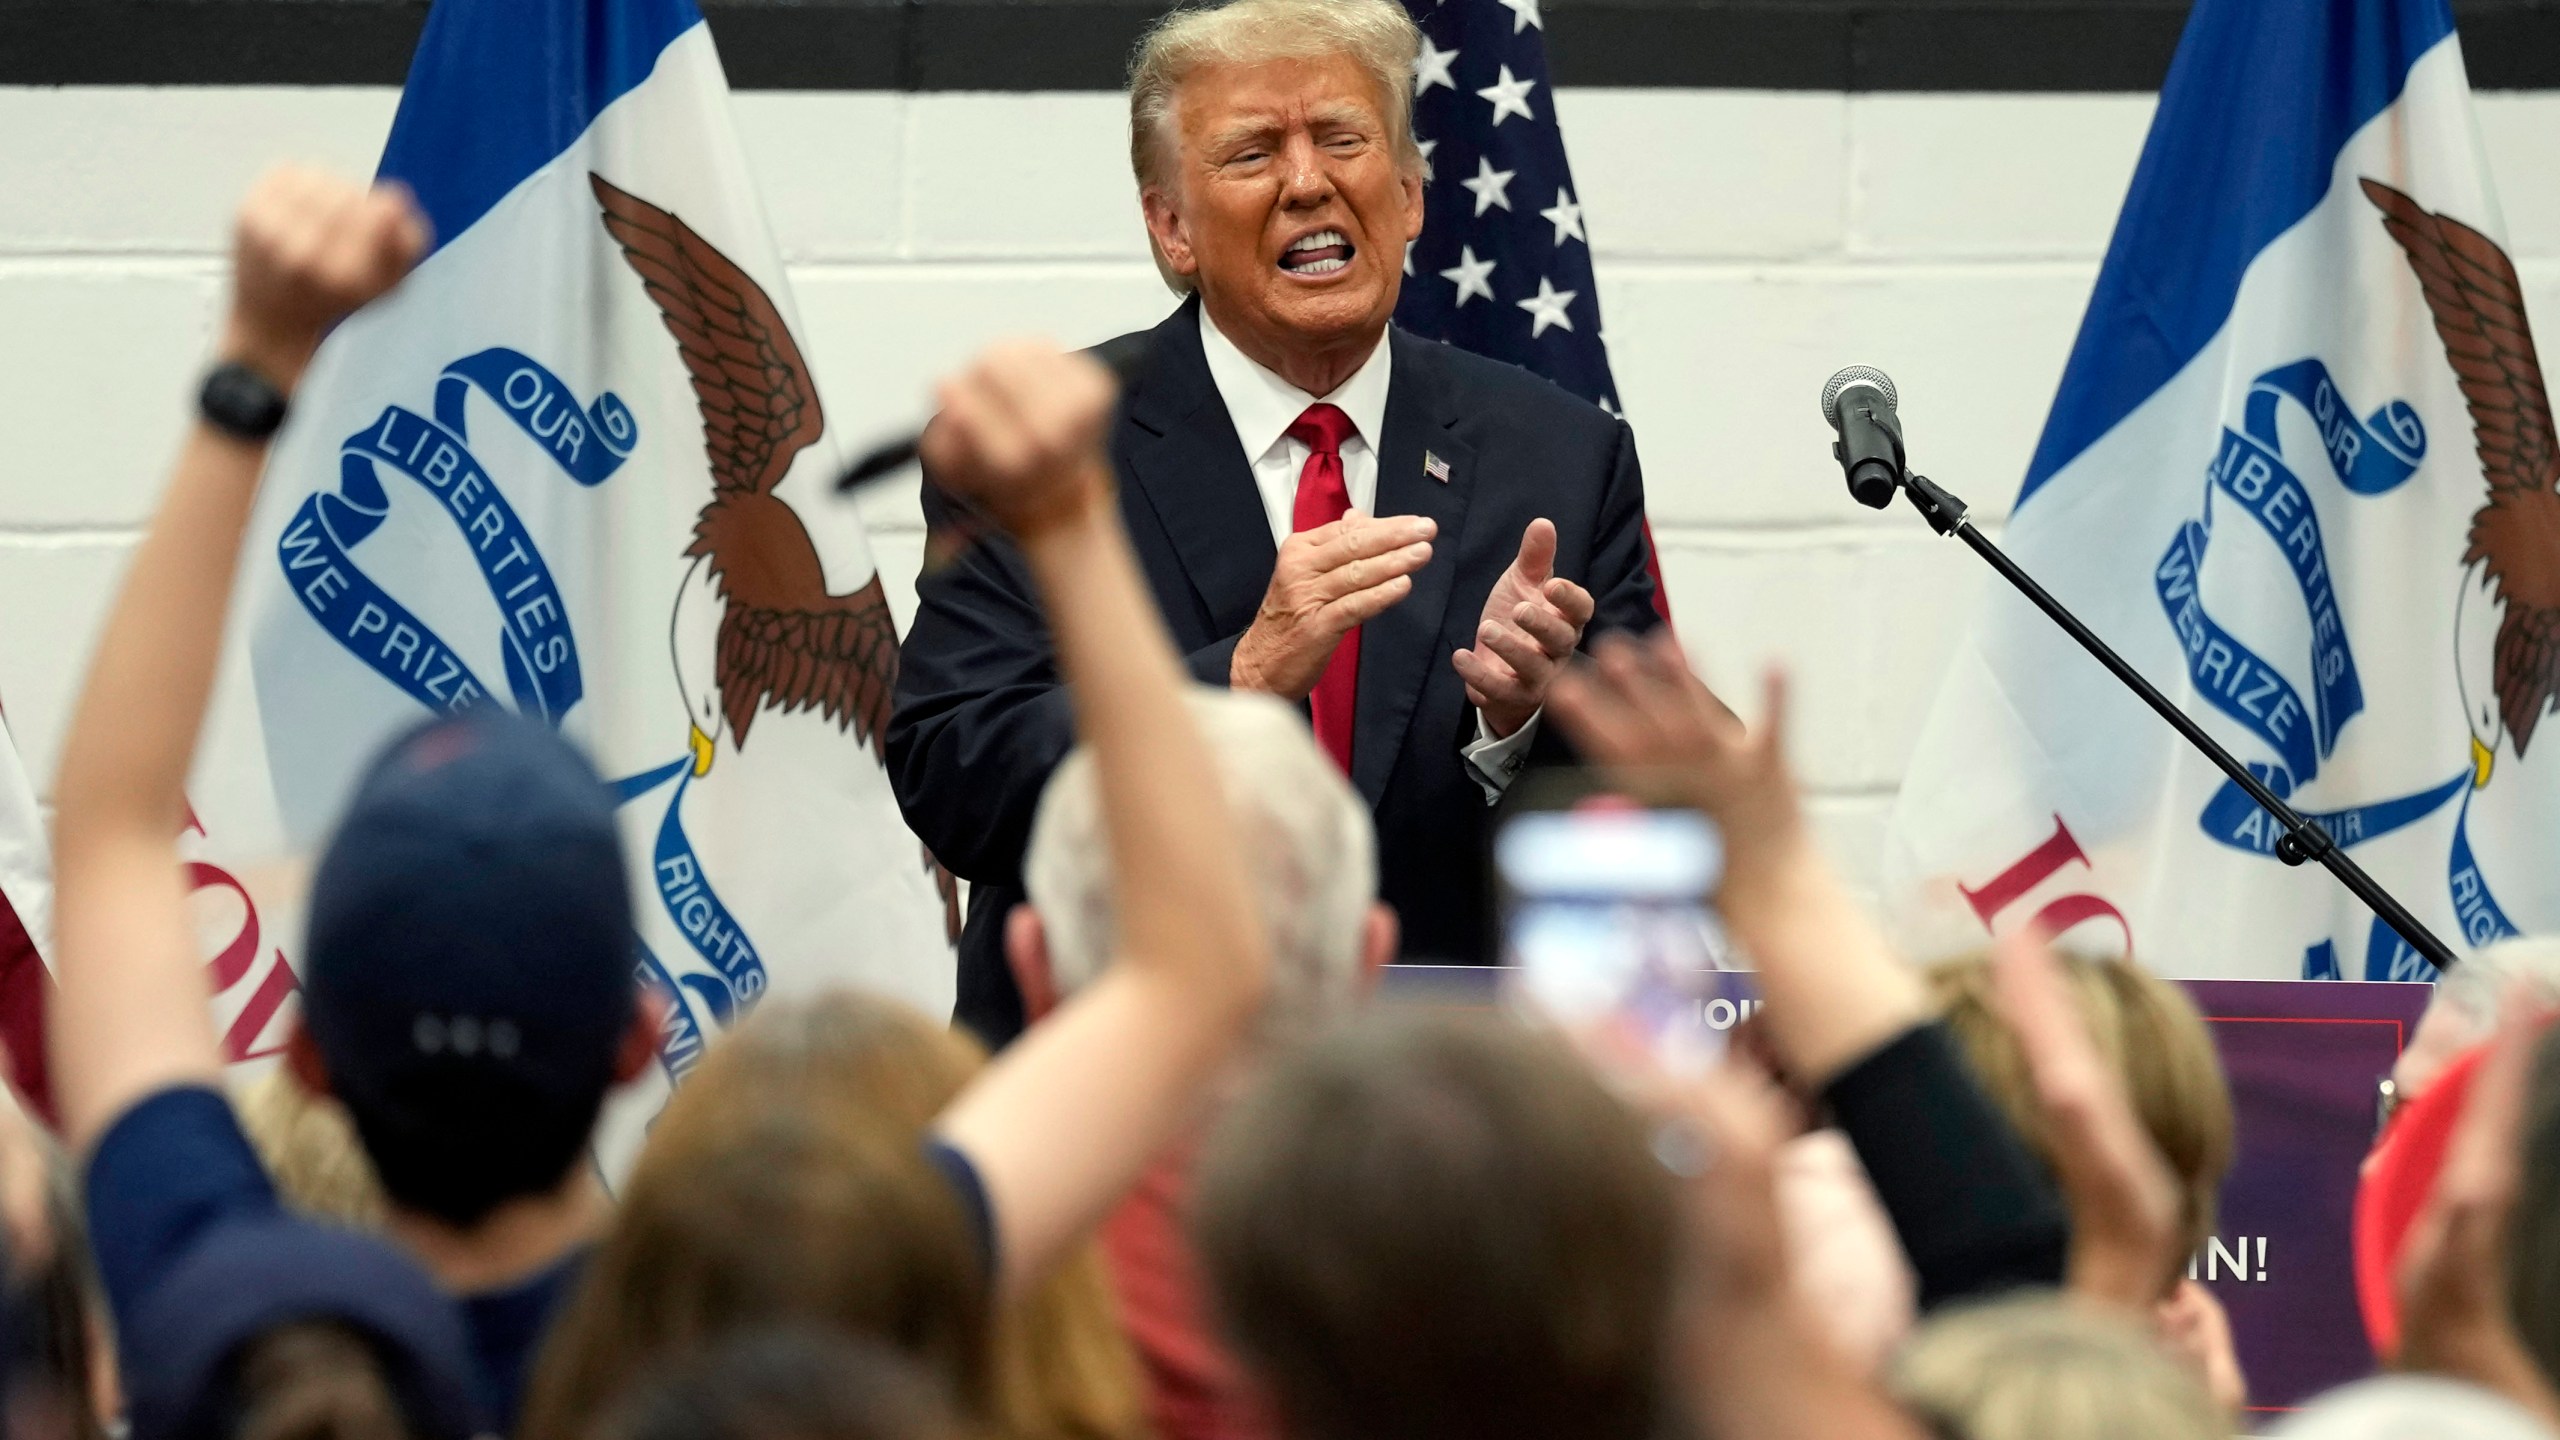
(1503, 267)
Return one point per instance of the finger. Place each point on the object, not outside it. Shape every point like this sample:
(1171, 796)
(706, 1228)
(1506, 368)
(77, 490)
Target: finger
(1003, 435)
(1367, 538)
(1376, 570)
(1537, 552)
(1521, 651)
(2054, 1041)
(2123, 1200)
(1773, 712)
(1554, 633)
(1312, 540)
(949, 444)
(1062, 399)
(1488, 676)
(382, 247)
(1572, 601)
(1578, 700)
(416, 227)
(1364, 606)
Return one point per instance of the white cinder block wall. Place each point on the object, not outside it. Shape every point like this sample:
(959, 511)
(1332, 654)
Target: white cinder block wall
(1747, 243)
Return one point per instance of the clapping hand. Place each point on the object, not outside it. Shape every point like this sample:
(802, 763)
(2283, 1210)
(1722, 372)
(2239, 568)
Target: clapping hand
(1532, 621)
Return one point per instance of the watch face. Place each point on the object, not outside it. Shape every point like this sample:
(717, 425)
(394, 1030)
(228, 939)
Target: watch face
(240, 401)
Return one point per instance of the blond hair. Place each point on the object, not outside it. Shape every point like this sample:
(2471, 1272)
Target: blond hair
(2045, 1368)
(787, 1183)
(1378, 34)
(1312, 850)
(2151, 1035)
(310, 1148)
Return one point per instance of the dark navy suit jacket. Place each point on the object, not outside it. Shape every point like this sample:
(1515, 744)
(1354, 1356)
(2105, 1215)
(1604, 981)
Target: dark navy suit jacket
(981, 719)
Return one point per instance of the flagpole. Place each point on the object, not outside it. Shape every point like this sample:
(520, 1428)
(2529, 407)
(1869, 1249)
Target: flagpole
(2303, 838)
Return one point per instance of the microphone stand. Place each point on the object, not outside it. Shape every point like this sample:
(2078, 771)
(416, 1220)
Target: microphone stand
(2303, 839)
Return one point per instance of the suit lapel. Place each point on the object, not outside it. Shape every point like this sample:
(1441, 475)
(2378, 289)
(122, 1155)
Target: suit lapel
(1187, 467)
(1399, 649)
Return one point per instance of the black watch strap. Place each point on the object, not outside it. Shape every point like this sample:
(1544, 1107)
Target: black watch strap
(240, 402)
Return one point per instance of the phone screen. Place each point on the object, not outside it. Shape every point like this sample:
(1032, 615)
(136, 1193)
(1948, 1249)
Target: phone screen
(1606, 919)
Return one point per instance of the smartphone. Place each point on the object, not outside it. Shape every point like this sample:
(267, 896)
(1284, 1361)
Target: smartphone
(1608, 919)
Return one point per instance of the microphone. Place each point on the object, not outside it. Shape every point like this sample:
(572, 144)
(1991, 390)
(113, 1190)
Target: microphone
(1126, 358)
(1858, 404)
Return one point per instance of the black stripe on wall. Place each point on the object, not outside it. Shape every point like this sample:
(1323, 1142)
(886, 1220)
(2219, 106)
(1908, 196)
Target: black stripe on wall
(1907, 45)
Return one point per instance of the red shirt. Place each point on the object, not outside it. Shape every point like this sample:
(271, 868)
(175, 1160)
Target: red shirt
(1194, 1389)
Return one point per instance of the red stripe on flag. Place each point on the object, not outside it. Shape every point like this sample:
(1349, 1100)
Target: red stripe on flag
(1653, 569)
(24, 989)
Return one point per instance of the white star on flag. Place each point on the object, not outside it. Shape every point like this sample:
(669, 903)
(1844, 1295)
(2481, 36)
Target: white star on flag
(1509, 97)
(1566, 217)
(1547, 307)
(1431, 67)
(1426, 147)
(1491, 187)
(1524, 13)
(1471, 275)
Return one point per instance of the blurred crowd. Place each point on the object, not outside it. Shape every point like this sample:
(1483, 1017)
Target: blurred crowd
(1217, 1191)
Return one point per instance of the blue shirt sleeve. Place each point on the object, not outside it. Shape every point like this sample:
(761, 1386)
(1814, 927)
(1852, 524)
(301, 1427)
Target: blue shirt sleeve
(971, 1191)
(167, 1169)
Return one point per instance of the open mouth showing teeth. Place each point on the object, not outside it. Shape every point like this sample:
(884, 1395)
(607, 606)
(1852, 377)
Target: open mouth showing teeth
(1322, 253)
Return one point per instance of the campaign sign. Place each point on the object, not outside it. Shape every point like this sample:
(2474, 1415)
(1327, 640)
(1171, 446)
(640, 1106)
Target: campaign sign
(2305, 1061)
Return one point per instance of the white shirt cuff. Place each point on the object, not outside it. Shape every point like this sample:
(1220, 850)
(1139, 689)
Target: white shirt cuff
(1497, 763)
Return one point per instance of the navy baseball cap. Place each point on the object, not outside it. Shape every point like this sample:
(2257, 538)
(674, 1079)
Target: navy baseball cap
(469, 982)
(248, 1276)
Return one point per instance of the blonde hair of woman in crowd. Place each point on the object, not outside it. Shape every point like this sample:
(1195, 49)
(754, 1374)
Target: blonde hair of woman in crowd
(787, 1181)
(2050, 1368)
(311, 1150)
(2151, 1035)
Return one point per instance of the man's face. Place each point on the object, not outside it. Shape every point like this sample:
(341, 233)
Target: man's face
(1285, 203)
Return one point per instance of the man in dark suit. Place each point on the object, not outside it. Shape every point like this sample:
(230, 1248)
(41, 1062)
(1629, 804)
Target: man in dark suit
(1407, 538)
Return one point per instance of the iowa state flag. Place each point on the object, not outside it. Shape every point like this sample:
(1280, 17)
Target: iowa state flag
(576, 465)
(2301, 472)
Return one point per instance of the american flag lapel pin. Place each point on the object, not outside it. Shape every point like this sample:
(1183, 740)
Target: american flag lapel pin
(1435, 467)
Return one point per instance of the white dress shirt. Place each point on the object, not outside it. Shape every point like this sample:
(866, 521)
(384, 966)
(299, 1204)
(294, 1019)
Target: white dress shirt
(1263, 407)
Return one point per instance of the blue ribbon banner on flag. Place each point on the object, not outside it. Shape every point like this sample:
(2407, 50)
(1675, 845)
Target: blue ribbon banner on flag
(317, 548)
(588, 444)
(2367, 458)
(684, 888)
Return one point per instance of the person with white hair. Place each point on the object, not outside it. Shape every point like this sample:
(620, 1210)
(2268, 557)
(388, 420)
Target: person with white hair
(1404, 540)
(1314, 872)
(2463, 1012)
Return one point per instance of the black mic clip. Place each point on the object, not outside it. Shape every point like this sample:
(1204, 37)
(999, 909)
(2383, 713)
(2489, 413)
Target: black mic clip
(1942, 510)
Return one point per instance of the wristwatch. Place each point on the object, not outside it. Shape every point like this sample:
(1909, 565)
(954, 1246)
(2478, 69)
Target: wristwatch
(240, 402)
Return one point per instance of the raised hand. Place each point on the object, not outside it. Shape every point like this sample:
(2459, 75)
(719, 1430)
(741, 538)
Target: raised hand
(1329, 581)
(1532, 621)
(1019, 434)
(309, 249)
(1639, 710)
(2124, 1203)
(1835, 989)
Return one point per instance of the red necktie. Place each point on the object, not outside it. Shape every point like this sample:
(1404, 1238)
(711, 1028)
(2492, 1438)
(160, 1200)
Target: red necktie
(1323, 496)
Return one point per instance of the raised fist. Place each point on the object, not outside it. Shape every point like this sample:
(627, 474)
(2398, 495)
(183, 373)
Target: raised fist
(1019, 434)
(309, 249)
